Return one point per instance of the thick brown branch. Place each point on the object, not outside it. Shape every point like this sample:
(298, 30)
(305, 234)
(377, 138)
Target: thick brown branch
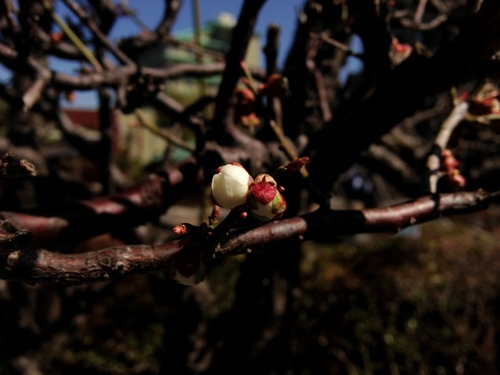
(132, 207)
(41, 265)
(134, 46)
(387, 219)
(172, 8)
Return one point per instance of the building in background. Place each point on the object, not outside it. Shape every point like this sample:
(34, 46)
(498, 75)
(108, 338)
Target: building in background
(140, 145)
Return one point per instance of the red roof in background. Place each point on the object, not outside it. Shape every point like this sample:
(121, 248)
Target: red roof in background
(86, 117)
(89, 119)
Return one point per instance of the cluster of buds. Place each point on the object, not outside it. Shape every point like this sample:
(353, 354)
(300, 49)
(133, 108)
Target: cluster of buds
(233, 187)
(57, 37)
(450, 166)
(486, 101)
(245, 108)
(485, 106)
(399, 52)
(276, 86)
(70, 96)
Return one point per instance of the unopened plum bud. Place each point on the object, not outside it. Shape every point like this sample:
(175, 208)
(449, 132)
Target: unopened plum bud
(230, 185)
(275, 87)
(455, 178)
(187, 267)
(179, 230)
(264, 199)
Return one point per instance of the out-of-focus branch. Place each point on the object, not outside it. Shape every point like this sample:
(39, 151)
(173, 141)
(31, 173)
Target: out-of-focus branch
(184, 115)
(146, 201)
(94, 28)
(12, 168)
(33, 94)
(172, 8)
(241, 36)
(390, 165)
(84, 145)
(77, 42)
(336, 44)
(114, 77)
(6, 8)
(135, 45)
(168, 136)
(404, 92)
(271, 49)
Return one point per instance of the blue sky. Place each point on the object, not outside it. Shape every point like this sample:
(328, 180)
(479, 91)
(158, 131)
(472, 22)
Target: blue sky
(280, 12)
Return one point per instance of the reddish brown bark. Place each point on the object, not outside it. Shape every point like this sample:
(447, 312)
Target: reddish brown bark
(45, 266)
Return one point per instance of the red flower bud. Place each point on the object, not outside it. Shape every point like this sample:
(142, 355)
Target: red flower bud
(275, 87)
(455, 178)
(70, 96)
(245, 96)
(179, 230)
(56, 37)
(297, 164)
(264, 199)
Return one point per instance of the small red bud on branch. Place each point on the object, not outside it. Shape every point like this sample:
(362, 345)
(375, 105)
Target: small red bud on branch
(179, 230)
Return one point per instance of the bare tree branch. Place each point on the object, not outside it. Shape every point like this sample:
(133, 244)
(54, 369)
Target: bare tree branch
(46, 266)
(330, 222)
(403, 92)
(126, 209)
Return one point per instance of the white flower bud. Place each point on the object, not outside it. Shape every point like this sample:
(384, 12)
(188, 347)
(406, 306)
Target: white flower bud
(230, 185)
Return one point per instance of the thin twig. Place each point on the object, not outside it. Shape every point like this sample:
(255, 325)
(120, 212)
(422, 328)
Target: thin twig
(34, 92)
(336, 44)
(94, 28)
(7, 7)
(434, 160)
(78, 43)
(168, 136)
(419, 13)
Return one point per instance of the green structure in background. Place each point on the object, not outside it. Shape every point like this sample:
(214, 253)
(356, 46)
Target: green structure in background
(214, 38)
